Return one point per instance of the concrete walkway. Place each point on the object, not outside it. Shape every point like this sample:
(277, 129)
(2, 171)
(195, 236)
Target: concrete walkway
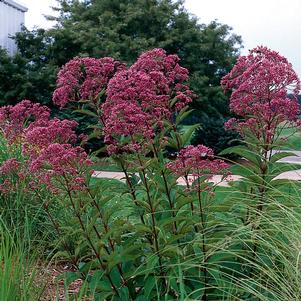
(217, 179)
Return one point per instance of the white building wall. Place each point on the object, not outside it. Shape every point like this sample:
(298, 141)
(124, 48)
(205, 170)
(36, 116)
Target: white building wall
(11, 20)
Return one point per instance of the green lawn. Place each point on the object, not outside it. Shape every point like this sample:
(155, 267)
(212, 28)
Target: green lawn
(104, 164)
(294, 141)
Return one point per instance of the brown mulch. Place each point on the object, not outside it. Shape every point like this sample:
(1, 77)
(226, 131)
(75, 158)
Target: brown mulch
(50, 278)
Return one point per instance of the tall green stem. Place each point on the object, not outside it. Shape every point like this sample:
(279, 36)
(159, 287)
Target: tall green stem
(77, 214)
(57, 228)
(153, 214)
(106, 228)
(205, 295)
(167, 190)
(132, 190)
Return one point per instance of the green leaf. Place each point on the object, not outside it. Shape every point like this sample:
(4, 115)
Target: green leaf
(101, 93)
(279, 168)
(149, 285)
(124, 294)
(221, 257)
(182, 115)
(103, 296)
(173, 102)
(281, 182)
(85, 267)
(84, 101)
(143, 228)
(70, 277)
(171, 251)
(100, 150)
(143, 204)
(86, 112)
(281, 155)
(244, 152)
(94, 134)
(115, 276)
(174, 140)
(182, 201)
(170, 220)
(100, 283)
(186, 137)
(151, 264)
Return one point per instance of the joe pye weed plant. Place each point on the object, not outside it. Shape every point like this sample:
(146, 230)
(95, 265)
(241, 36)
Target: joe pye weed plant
(148, 238)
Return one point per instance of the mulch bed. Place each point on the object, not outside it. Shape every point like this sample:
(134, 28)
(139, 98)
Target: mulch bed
(54, 289)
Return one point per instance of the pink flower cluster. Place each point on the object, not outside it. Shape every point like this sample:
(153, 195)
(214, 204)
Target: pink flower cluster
(127, 112)
(197, 161)
(49, 131)
(168, 76)
(260, 83)
(60, 163)
(46, 145)
(140, 99)
(10, 166)
(14, 119)
(84, 79)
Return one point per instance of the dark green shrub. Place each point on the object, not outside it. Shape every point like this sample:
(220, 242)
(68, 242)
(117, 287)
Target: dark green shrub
(213, 134)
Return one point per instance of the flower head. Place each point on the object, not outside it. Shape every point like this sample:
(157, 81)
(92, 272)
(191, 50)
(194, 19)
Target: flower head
(140, 99)
(84, 78)
(47, 147)
(14, 119)
(10, 166)
(260, 83)
(47, 132)
(197, 161)
(61, 165)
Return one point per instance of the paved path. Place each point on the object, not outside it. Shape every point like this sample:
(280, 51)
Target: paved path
(217, 179)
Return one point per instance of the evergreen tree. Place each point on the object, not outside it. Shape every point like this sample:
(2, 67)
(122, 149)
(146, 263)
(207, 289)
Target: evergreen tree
(122, 29)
